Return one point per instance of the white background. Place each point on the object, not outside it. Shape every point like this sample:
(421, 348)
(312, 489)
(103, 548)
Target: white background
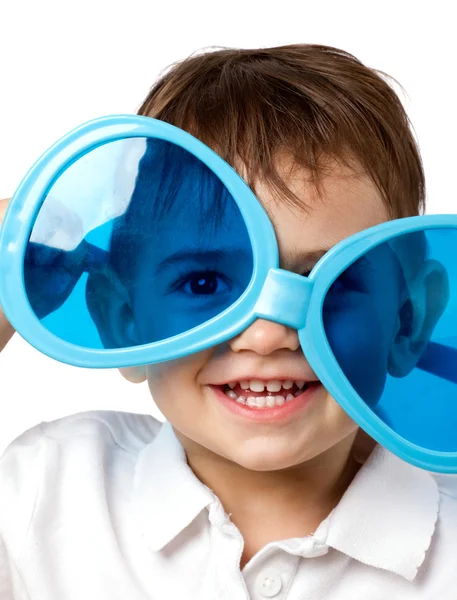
(62, 63)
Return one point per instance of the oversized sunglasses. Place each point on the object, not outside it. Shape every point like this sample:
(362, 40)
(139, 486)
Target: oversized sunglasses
(131, 242)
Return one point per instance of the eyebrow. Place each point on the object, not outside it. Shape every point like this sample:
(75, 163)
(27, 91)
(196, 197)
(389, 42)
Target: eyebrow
(314, 255)
(201, 255)
(305, 258)
(292, 258)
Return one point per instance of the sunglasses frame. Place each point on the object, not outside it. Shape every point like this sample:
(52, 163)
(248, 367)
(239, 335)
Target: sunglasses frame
(273, 293)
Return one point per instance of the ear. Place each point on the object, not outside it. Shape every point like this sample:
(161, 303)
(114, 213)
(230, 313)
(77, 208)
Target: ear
(427, 297)
(110, 307)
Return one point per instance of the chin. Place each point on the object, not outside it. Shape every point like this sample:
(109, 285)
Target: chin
(265, 461)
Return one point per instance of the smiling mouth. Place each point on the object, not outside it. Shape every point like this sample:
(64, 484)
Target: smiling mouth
(261, 395)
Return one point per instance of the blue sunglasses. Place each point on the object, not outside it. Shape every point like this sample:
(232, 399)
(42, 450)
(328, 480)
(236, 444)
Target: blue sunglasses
(131, 242)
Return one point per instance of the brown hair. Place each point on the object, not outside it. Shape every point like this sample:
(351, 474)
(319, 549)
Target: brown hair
(315, 102)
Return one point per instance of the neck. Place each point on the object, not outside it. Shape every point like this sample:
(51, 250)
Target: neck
(272, 505)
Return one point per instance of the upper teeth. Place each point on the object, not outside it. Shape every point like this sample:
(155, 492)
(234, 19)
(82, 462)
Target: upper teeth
(255, 385)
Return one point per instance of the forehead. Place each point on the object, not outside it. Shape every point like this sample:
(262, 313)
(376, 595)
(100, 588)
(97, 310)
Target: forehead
(347, 202)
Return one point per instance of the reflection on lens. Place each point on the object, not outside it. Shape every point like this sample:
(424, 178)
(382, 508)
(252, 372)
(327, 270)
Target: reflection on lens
(385, 318)
(136, 242)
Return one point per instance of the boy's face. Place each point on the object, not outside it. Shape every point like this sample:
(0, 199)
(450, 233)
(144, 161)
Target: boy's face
(185, 390)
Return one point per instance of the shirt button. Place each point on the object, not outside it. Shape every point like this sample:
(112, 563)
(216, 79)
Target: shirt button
(269, 583)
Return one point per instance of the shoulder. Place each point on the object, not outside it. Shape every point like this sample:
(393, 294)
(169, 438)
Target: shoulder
(128, 431)
(85, 447)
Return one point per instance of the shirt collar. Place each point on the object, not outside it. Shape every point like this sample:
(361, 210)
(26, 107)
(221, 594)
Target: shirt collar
(167, 495)
(386, 517)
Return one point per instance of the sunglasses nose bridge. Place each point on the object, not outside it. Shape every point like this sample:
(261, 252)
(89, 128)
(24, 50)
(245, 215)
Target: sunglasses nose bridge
(284, 298)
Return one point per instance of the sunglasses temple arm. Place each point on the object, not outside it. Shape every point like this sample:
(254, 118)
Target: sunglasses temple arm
(440, 360)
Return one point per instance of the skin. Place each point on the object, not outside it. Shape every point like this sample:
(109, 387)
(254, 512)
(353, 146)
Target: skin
(276, 481)
(6, 331)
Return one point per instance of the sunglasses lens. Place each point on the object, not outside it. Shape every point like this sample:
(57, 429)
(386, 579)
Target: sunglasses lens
(135, 242)
(391, 321)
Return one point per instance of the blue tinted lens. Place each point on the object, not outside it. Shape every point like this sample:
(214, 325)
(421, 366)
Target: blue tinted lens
(391, 321)
(136, 242)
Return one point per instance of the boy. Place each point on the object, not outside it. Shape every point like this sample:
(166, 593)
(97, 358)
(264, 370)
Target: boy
(212, 505)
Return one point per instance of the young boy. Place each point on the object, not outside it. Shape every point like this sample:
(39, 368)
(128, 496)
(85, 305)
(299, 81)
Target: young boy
(210, 505)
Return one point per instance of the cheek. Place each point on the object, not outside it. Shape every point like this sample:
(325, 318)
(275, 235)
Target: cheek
(166, 381)
(174, 384)
(157, 375)
(167, 388)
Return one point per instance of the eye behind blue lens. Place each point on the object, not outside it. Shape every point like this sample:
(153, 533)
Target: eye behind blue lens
(161, 247)
(203, 283)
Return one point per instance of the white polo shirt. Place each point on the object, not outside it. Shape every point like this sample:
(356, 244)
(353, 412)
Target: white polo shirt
(102, 505)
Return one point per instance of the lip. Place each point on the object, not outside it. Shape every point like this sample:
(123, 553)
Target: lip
(268, 415)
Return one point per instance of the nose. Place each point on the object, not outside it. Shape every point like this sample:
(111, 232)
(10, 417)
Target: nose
(264, 337)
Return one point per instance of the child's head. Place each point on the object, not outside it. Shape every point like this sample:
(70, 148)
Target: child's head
(326, 145)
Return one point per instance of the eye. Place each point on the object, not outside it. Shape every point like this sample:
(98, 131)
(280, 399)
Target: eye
(338, 285)
(352, 279)
(203, 283)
